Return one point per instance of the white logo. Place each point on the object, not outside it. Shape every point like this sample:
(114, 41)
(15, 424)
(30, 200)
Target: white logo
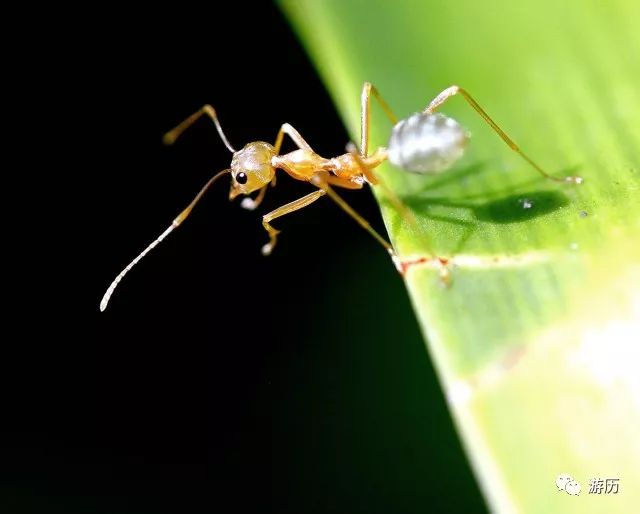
(566, 483)
(561, 481)
(573, 488)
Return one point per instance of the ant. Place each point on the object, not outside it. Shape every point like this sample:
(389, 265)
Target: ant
(424, 143)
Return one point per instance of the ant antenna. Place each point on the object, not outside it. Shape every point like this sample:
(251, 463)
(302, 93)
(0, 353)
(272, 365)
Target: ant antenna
(175, 223)
(170, 137)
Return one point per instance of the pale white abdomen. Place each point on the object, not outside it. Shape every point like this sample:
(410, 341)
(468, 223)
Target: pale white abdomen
(426, 143)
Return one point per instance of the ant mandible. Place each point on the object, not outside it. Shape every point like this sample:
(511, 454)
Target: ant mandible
(423, 143)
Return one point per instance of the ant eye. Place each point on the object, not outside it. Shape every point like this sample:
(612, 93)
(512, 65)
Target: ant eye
(241, 178)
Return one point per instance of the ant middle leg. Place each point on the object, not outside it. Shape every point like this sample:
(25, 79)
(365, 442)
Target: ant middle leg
(454, 90)
(324, 181)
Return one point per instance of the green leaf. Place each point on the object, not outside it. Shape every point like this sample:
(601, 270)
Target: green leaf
(537, 341)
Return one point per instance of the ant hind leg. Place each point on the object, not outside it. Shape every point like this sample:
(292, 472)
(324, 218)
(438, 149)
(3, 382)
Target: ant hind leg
(455, 90)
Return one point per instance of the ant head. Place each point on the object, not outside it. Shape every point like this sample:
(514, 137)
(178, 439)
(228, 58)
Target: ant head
(251, 168)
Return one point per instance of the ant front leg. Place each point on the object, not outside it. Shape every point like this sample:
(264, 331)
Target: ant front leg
(170, 137)
(455, 90)
(295, 136)
(252, 203)
(281, 211)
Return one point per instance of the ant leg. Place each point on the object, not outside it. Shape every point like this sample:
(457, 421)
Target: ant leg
(294, 135)
(454, 90)
(296, 204)
(281, 211)
(369, 89)
(324, 180)
(365, 100)
(170, 137)
(252, 203)
(373, 178)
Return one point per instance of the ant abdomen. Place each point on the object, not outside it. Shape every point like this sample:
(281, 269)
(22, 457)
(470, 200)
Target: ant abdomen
(426, 143)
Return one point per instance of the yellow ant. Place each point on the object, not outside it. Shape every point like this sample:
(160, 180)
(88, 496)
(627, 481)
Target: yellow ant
(422, 143)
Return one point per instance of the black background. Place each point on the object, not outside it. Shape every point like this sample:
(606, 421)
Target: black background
(217, 380)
